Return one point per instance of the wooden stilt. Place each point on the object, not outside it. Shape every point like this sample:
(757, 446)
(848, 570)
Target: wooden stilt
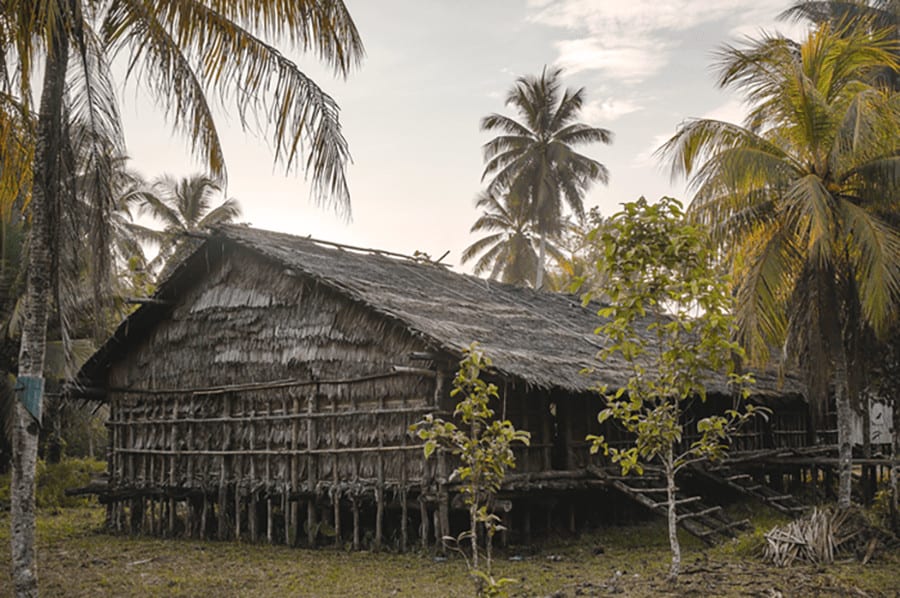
(204, 516)
(404, 519)
(423, 522)
(237, 512)
(285, 509)
(379, 513)
(337, 518)
(354, 508)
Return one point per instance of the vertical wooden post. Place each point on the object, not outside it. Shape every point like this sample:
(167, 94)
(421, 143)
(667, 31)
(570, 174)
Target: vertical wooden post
(442, 526)
(295, 470)
(354, 443)
(547, 436)
(404, 509)
(423, 520)
(270, 522)
(443, 498)
(335, 474)
(286, 504)
(354, 508)
(223, 472)
(238, 472)
(189, 468)
(173, 464)
(311, 466)
(379, 488)
(253, 509)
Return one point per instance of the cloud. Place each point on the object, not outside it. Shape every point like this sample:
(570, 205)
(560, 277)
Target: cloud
(627, 62)
(606, 110)
(632, 40)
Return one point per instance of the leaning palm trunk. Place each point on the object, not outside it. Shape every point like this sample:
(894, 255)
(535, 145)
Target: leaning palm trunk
(34, 331)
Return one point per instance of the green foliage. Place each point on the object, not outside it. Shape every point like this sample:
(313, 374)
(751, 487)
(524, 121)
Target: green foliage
(669, 321)
(660, 266)
(53, 479)
(483, 446)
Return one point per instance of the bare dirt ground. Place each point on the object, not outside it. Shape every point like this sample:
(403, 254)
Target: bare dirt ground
(78, 559)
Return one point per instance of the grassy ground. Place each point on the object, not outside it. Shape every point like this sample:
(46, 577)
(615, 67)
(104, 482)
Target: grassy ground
(78, 559)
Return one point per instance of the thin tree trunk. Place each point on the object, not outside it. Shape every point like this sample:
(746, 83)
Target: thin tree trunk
(542, 257)
(675, 569)
(34, 331)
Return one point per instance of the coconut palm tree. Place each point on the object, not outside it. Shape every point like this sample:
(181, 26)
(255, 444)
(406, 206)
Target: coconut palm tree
(872, 15)
(793, 195)
(186, 53)
(535, 158)
(508, 252)
(183, 206)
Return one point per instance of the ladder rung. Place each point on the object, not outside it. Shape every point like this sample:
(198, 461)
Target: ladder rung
(723, 528)
(682, 501)
(778, 498)
(702, 513)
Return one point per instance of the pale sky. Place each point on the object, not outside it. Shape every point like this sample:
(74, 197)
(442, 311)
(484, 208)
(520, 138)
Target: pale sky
(434, 68)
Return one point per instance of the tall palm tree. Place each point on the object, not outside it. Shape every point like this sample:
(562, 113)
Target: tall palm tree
(871, 15)
(509, 251)
(183, 206)
(535, 159)
(186, 53)
(793, 195)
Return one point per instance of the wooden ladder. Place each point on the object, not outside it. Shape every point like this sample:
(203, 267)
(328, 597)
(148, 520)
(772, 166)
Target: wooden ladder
(746, 485)
(708, 523)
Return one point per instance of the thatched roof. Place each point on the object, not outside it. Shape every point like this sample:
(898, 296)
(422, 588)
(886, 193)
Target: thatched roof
(544, 339)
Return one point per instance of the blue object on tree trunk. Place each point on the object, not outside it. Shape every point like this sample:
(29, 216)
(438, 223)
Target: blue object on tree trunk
(30, 390)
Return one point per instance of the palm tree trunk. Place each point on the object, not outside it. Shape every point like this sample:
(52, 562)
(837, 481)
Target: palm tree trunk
(539, 277)
(46, 185)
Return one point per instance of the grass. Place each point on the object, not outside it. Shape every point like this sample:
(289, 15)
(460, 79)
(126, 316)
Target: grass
(78, 559)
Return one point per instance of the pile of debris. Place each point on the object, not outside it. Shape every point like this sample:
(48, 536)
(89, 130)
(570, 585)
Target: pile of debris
(822, 535)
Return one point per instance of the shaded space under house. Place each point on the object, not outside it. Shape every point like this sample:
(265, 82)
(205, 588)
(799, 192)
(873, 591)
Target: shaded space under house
(266, 390)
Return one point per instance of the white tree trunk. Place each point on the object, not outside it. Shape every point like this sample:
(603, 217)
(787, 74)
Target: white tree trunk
(675, 547)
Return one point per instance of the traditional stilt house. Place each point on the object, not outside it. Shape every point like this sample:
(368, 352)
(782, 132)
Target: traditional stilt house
(266, 390)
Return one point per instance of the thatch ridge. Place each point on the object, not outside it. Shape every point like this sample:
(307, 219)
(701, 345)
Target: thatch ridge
(544, 339)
